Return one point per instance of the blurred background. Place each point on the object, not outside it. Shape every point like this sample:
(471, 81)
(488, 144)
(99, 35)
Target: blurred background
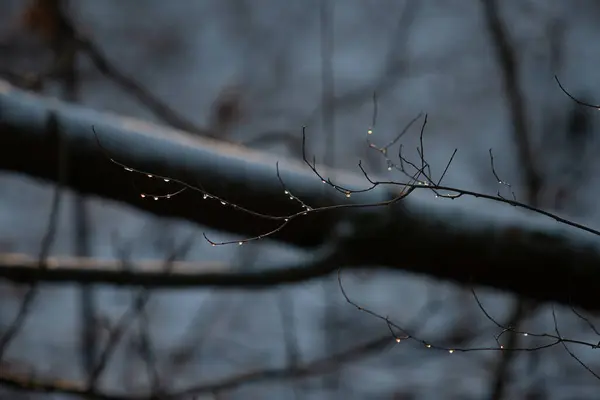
(253, 73)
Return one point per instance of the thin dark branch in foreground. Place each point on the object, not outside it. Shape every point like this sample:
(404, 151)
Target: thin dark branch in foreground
(409, 186)
(520, 309)
(586, 320)
(557, 337)
(404, 334)
(500, 181)
(576, 100)
(571, 354)
(418, 238)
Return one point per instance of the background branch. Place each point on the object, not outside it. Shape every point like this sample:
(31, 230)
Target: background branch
(506, 56)
(549, 268)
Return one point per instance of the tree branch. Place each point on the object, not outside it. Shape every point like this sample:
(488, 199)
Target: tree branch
(18, 264)
(245, 178)
(510, 252)
(525, 260)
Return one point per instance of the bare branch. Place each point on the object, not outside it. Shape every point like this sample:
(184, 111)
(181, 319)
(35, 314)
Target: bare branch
(576, 100)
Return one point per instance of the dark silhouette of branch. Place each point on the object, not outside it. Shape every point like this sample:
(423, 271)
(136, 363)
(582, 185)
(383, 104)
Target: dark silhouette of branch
(569, 352)
(312, 368)
(482, 256)
(576, 100)
(243, 178)
(234, 202)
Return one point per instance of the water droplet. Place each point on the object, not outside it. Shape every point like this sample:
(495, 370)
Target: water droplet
(240, 243)
(128, 169)
(205, 196)
(155, 198)
(142, 195)
(149, 176)
(286, 192)
(223, 203)
(348, 194)
(166, 180)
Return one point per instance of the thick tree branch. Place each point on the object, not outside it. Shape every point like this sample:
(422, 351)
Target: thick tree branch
(243, 177)
(416, 235)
